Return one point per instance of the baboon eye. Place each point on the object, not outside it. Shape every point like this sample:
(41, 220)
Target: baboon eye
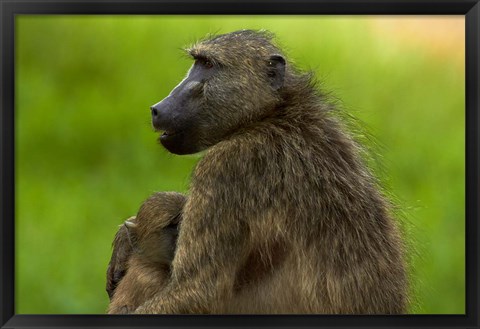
(208, 64)
(203, 61)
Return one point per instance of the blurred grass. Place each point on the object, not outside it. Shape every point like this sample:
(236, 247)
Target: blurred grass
(86, 155)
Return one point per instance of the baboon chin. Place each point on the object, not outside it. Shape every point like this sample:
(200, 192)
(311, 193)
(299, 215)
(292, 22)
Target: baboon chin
(282, 214)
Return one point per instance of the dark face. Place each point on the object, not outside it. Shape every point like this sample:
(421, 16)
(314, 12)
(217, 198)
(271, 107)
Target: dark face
(230, 85)
(178, 114)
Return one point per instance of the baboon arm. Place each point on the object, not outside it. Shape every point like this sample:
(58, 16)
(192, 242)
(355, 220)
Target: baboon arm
(210, 247)
(203, 270)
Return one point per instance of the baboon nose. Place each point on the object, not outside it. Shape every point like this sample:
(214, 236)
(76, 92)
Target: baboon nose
(158, 118)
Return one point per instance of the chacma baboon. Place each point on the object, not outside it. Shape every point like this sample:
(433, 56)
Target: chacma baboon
(282, 215)
(143, 252)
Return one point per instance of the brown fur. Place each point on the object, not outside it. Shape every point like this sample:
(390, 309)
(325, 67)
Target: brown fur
(283, 215)
(149, 240)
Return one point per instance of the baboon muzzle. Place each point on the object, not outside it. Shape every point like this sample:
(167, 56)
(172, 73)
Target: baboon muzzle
(160, 117)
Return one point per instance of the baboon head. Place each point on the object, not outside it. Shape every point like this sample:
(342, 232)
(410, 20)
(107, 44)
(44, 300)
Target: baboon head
(235, 80)
(155, 228)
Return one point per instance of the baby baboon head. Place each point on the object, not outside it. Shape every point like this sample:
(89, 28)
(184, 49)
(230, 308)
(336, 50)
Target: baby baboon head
(154, 231)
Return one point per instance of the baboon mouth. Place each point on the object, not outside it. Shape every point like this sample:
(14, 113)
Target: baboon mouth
(168, 133)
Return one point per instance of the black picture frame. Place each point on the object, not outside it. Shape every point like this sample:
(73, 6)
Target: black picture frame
(10, 8)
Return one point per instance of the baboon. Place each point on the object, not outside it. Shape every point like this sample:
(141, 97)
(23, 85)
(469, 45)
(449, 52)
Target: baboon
(143, 251)
(282, 215)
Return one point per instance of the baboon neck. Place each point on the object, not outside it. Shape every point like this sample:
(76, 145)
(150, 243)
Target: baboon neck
(299, 106)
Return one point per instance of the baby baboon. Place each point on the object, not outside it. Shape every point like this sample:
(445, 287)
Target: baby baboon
(283, 215)
(143, 252)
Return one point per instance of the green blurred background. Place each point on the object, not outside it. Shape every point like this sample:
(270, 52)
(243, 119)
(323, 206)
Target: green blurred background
(86, 155)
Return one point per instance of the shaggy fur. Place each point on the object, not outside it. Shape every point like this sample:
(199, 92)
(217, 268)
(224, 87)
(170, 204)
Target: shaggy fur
(283, 215)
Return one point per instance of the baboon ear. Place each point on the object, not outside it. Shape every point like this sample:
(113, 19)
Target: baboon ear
(130, 225)
(276, 71)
